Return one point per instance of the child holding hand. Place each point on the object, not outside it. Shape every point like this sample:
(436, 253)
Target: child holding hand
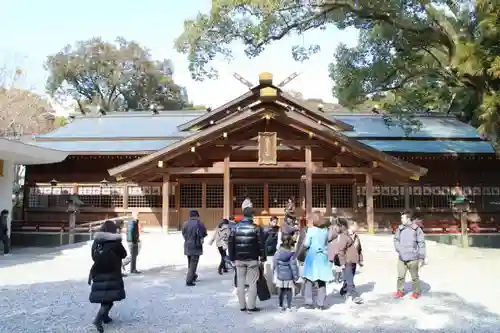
(286, 272)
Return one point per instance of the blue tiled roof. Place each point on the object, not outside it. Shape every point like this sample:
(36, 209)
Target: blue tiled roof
(105, 146)
(126, 124)
(372, 126)
(163, 127)
(416, 146)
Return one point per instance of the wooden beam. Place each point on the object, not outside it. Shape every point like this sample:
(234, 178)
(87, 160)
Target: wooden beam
(227, 188)
(370, 219)
(309, 191)
(256, 165)
(283, 142)
(340, 171)
(196, 170)
(165, 208)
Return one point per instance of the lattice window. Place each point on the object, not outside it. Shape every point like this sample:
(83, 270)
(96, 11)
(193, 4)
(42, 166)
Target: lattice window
(490, 198)
(389, 197)
(49, 196)
(341, 195)
(144, 197)
(254, 191)
(191, 196)
(215, 196)
(430, 197)
(279, 194)
(101, 197)
(319, 195)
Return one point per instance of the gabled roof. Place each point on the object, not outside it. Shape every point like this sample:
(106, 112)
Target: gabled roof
(245, 100)
(290, 116)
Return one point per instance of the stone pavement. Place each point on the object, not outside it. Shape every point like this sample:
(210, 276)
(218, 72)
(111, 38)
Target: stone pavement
(49, 294)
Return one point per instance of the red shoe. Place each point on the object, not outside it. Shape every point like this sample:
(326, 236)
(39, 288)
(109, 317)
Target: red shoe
(399, 294)
(415, 295)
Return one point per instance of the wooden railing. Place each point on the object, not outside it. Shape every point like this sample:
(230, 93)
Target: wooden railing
(453, 227)
(56, 226)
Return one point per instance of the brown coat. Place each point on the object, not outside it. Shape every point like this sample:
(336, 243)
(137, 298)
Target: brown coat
(349, 249)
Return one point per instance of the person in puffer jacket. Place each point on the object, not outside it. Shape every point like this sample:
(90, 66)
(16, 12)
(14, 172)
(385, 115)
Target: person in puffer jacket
(409, 243)
(286, 272)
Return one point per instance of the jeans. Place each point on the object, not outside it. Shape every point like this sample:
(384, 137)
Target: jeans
(191, 275)
(348, 288)
(403, 268)
(285, 293)
(223, 256)
(133, 252)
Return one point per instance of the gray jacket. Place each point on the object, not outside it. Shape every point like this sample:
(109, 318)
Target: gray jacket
(409, 242)
(285, 265)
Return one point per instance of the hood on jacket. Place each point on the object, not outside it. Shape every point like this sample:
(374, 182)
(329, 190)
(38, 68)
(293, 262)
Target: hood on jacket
(106, 236)
(412, 225)
(224, 226)
(285, 255)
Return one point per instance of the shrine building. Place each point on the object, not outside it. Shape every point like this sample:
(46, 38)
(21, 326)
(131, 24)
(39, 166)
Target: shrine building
(265, 144)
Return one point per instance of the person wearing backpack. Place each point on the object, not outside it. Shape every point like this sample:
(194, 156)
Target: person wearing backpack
(133, 242)
(409, 243)
(220, 238)
(193, 232)
(105, 275)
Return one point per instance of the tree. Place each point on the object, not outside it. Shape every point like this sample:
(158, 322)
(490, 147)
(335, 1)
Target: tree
(413, 55)
(113, 76)
(22, 112)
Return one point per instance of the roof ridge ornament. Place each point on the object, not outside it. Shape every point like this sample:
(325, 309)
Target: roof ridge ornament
(243, 80)
(288, 79)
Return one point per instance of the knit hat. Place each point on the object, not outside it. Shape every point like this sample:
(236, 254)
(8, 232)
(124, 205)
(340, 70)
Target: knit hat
(194, 214)
(248, 212)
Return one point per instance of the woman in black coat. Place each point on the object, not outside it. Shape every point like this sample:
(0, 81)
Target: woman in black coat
(106, 272)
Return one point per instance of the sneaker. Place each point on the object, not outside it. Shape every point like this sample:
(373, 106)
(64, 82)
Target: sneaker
(243, 310)
(290, 309)
(309, 307)
(282, 309)
(415, 295)
(356, 300)
(321, 307)
(7, 254)
(399, 294)
(190, 284)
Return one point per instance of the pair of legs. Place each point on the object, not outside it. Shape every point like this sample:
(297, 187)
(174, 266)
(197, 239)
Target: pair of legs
(223, 256)
(191, 275)
(349, 288)
(403, 267)
(285, 293)
(247, 273)
(6, 244)
(133, 252)
(320, 296)
(103, 316)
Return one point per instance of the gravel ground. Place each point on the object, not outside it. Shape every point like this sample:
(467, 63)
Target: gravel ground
(49, 294)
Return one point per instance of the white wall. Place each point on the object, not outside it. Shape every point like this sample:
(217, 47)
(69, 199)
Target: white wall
(6, 185)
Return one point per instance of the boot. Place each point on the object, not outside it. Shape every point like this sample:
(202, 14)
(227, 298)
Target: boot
(106, 318)
(99, 319)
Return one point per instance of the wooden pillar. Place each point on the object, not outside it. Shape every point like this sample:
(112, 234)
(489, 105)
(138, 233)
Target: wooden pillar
(165, 208)
(178, 204)
(125, 196)
(328, 189)
(407, 196)
(203, 195)
(370, 220)
(266, 198)
(309, 168)
(227, 188)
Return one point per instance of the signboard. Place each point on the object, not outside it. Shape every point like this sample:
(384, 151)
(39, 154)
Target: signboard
(268, 146)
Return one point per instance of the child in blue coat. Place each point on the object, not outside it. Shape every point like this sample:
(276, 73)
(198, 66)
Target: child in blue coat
(286, 271)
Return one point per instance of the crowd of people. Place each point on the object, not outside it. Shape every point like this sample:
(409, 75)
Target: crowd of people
(302, 259)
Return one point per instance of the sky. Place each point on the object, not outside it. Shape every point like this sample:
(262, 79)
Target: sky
(34, 29)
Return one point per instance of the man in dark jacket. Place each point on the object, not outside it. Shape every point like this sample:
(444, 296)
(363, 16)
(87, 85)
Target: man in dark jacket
(271, 234)
(246, 246)
(106, 272)
(4, 231)
(194, 232)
